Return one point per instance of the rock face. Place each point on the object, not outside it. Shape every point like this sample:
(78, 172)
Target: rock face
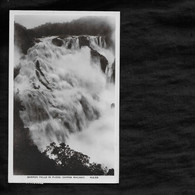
(76, 42)
(40, 75)
(16, 71)
(83, 41)
(22, 38)
(103, 60)
(113, 75)
(57, 41)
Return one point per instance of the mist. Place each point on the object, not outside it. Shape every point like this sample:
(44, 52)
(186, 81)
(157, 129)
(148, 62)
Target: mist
(66, 96)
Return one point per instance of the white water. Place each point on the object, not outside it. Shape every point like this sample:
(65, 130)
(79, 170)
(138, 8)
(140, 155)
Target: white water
(66, 97)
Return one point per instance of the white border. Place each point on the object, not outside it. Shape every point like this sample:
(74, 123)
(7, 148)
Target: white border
(51, 178)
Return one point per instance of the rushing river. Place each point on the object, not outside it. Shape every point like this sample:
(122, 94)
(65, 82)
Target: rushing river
(67, 93)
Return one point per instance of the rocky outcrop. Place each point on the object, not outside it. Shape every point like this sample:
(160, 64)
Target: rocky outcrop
(103, 60)
(23, 38)
(16, 71)
(41, 77)
(83, 41)
(57, 41)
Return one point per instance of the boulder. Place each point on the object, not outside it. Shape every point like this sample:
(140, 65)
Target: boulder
(57, 41)
(83, 41)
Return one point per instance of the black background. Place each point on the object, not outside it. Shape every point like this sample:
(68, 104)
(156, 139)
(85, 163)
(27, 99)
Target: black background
(157, 97)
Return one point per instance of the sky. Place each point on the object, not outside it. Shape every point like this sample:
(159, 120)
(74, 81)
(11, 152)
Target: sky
(31, 21)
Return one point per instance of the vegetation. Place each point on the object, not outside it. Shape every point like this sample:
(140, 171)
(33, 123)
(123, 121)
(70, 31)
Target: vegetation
(25, 38)
(28, 160)
(73, 162)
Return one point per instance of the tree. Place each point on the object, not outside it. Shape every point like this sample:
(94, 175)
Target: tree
(73, 162)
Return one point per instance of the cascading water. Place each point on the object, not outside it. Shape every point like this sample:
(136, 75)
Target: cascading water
(66, 89)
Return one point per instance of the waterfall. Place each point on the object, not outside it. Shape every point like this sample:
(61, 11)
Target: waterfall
(72, 42)
(65, 95)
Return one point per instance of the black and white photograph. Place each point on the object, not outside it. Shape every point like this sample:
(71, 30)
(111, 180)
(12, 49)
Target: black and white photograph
(97, 97)
(64, 97)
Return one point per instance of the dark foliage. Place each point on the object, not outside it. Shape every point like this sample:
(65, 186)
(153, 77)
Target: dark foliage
(28, 160)
(71, 162)
(82, 26)
(25, 38)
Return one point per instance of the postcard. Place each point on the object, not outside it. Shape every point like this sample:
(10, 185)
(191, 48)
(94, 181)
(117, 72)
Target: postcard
(64, 97)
